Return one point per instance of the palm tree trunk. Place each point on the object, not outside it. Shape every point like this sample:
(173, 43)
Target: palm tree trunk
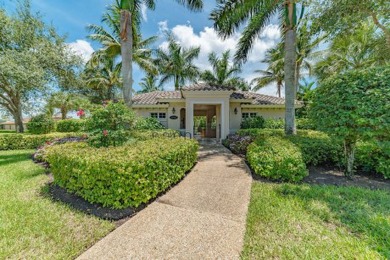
(64, 112)
(290, 63)
(127, 55)
(177, 85)
(297, 76)
(279, 86)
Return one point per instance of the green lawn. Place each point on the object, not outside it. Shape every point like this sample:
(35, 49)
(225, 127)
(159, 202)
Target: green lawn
(287, 221)
(31, 225)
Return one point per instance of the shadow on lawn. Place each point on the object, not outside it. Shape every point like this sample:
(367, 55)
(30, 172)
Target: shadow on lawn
(363, 211)
(14, 158)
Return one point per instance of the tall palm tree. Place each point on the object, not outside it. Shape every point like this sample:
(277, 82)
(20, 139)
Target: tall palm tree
(361, 49)
(222, 72)
(149, 84)
(307, 42)
(176, 63)
(274, 72)
(102, 75)
(130, 16)
(231, 15)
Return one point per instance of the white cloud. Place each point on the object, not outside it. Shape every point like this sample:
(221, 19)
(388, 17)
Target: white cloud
(81, 48)
(144, 9)
(163, 26)
(209, 41)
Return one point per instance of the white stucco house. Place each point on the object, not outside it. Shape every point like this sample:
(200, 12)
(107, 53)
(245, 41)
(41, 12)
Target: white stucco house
(222, 107)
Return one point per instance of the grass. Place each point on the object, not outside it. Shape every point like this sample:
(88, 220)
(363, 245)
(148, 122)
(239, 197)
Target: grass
(31, 224)
(287, 221)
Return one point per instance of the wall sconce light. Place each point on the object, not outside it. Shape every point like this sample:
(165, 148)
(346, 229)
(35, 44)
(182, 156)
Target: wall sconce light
(173, 110)
(235, 111)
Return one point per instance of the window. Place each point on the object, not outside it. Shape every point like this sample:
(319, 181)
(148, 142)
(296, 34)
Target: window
(248, 115)
(158, 115)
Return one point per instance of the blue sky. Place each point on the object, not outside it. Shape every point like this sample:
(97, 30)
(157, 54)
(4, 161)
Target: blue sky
(70, 17)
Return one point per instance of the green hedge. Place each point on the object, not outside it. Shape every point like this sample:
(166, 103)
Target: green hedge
(319, 148)
(301, 123)
(28, 141)
(276, 158)
(71, 125)
(373, 157)
(41, 124)
(119, 177)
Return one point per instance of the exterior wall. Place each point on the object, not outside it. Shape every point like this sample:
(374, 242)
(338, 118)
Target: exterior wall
(274, 113)
(235, 120)
(175, 123)
(145, 112)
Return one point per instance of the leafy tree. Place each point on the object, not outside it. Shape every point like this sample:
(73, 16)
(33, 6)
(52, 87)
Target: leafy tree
(176, 63)
(339, 16)
(231, 15)
(354, 106)
(274, 72)
(149, 84)
(222, 72)
(130, 17)
(362, 48)
(32, 59)
(65, 102)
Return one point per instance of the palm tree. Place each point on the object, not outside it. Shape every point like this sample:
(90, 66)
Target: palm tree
(65, 102)
(222, 72)
(149, 84)
(231, 15)
(307, 42)
(102, 76)
(274, 72)
(176, 63)
(130, 17)
(361, 49)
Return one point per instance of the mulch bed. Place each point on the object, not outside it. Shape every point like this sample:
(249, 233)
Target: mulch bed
(325, 175)
(78, 203)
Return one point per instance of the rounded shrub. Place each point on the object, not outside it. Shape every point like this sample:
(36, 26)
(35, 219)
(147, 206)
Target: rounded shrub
(41, 124)
(124, 176)
(71, 125)
(276, 158)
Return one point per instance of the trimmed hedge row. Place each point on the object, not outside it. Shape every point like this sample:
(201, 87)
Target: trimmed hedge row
(119, 177)
(29, 141)
(277, 159)
(71, 125)
(301, 123)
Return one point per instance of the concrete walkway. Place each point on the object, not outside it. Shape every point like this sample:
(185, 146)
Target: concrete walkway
(203, 217)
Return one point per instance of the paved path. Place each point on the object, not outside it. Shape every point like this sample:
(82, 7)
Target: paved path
(203, 217)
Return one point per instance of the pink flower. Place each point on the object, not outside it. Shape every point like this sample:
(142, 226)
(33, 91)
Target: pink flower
(105, 132)
(80, 113)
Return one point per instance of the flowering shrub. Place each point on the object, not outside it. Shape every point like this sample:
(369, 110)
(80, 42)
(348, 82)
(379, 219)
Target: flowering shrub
(119, 177)
(109, 125)
(40, 154)
(238, 144)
